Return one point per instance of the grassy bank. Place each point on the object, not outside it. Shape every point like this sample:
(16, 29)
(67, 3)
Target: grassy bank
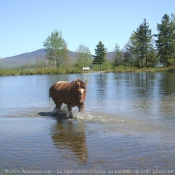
(38, 71)
(49, 71)
(135, 69)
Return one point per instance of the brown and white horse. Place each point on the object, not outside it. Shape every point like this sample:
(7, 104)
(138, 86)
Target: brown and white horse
(71, 93)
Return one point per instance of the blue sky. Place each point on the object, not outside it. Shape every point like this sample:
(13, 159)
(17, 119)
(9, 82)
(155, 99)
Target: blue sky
(25, 24)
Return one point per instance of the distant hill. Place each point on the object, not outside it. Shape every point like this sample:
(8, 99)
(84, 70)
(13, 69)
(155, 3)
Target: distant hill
(33, 57)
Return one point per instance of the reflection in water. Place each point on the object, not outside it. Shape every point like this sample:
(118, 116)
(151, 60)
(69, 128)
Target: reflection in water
(68, 136)
(101, 82)
(129, 120)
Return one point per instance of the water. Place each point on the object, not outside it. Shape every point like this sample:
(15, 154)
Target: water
(127, 126)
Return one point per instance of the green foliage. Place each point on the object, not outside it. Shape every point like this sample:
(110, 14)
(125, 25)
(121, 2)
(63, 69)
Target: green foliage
(107, 65)
(135, 69)
(56, 48)
(118, 56)
(172, 65)
(1, 61)
(138, 52)
(84, 57)
(166, 39)
(151, 57)
(141, 46)
(122, 68)
(100, 53)
(107, 68)
(127, 55)
(38, 71)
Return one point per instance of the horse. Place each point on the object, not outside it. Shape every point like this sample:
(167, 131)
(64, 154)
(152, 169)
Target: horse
(71, 93)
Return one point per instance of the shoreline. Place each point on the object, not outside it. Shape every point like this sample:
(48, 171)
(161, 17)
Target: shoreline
(51, 71)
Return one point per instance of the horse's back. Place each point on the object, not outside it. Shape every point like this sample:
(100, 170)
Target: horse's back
(60, 89)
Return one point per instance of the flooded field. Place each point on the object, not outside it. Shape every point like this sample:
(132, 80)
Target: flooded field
(128, 126)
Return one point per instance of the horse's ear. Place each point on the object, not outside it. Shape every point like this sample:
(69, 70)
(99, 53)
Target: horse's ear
(86, 82)
(78, 83)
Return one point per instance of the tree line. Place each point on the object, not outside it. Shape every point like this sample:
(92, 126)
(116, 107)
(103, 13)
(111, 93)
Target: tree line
(143, 49)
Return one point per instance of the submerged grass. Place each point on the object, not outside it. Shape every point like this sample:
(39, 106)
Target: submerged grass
(49, 71)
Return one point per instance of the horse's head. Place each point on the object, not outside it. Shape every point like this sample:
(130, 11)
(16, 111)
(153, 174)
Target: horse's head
(81, 90)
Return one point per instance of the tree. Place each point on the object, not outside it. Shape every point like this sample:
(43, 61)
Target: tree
(118, 56)
(100, 53)
(141, 44)
(127, 56)
(84, 57)
(173, 44)
(131, 47)
(55, 48)
(143, 37)
(65, 60)
(166, 39)
(1, 61)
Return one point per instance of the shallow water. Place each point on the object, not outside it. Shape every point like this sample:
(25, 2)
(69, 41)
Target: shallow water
(128, 125)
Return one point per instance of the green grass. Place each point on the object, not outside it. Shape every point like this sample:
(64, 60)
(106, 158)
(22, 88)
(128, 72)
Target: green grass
(38, 71)
(134, 69)
(50, 71)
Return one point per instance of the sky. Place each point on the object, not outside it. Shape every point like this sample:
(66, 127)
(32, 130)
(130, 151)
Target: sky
(25, 24)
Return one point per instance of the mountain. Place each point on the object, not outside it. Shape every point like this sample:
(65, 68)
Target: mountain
(28, 58)
(33, 57)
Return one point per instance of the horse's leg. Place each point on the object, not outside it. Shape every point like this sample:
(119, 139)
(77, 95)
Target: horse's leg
(81, 107)
(58, 104)
(70, 111)
(56, 101)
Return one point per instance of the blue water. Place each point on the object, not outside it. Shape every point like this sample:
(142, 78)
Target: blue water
(128, 123)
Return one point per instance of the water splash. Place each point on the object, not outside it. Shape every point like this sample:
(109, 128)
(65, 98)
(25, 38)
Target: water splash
(89, 116)
(98, 117)
(65, 111)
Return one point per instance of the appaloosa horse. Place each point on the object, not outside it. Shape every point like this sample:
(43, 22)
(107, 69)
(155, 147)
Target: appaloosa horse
(71, 93)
